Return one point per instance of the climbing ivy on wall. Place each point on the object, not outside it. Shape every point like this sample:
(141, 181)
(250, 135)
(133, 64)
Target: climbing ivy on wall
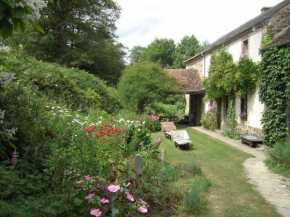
(274, 92)
(227, 78)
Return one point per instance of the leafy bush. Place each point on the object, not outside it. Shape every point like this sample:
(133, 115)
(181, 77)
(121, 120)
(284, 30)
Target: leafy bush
(74, 87)
(280, 156)
(148, 83)
(152, 125)
(209, 120)
(176, 109)
(231, 123)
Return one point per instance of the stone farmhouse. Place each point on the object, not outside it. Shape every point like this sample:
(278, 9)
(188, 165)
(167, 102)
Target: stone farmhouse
(244, 40)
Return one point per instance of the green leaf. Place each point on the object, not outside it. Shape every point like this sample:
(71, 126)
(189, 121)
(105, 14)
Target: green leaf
(6, 30)
(115, 212)
(10, 3)
(22, 25)
(2, 15)
(77, 201)
(15, 23)
(3, 6)
(17, 13)
(35, 26)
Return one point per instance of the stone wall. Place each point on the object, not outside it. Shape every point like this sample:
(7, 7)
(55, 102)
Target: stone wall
(198, 65)
(280, 21)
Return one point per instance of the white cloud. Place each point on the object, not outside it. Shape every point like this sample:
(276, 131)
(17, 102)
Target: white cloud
(142, 21)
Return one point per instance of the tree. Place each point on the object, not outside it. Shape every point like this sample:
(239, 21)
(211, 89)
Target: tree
(188, 47)
(135, 54)
(159, 51)
(144, 83)
(78, 34)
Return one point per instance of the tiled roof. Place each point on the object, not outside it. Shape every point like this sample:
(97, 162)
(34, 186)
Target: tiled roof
(189, 77)
(248, 25)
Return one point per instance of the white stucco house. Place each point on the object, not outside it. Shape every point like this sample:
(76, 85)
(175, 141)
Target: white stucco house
(244, 40)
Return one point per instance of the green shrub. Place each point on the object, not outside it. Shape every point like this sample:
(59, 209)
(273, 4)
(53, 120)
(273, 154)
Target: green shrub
(152, 125)
(162, 109)
(73, 87)
(194, 202)
(209, 120)
(280, 159)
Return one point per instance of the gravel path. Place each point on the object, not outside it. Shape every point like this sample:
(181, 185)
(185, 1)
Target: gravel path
(270, 185)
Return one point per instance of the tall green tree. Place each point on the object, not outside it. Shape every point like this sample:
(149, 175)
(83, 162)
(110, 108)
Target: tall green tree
(188, 47)
(135, 54)
(159, 51)
(78, 34)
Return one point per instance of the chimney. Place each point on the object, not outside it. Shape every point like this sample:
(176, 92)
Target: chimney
(263, 9)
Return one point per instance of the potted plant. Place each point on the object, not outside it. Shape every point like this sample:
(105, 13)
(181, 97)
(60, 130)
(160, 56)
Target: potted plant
(243, 116)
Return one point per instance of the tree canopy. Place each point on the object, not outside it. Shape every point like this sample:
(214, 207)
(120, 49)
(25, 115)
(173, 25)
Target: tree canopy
(166, 53)
(78, 34)
(148, 83)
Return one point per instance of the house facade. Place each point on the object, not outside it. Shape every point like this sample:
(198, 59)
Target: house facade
(245, 40)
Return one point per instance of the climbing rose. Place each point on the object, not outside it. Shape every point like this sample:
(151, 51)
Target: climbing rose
(114, 188)
(129, 196)
(144, 202)
(142, 209)
(87, 177)
(89, 196)
(96, 212)
(104, 200)
(79, 182)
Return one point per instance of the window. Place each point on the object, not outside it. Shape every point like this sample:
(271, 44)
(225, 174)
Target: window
(244, 112)
(245, 47)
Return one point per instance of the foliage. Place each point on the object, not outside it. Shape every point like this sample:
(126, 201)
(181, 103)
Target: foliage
(77, 34)
(228, 78)
(201, 183)
(159, 51)
(148, 83)
(194, 202)
(166, 109)
(231, 123)
(246, 77)
(280, 157)
(188, 47)
(191, 168)
(14, 14)
(221, 77)
(209, 120)
(267, 38)
(135, 54)
(152, 125)
(274, 92)
(74, 87)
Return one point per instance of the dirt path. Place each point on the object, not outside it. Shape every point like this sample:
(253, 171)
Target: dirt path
(270, 185)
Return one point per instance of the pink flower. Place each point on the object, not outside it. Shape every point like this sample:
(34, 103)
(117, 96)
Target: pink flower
(129, 196)
(104, 200)
(80, 182)
(96, 212)
(129, 183)
(87, 177)
(144, 202)
(142, 209)
(114, 188)
(14, 158)
(89, 196)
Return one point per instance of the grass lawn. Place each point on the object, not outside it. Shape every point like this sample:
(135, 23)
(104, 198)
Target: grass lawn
(229, 195)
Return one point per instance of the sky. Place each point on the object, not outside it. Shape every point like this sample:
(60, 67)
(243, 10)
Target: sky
(142, 21)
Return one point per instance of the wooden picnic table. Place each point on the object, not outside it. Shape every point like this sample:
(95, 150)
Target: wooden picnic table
(251, 140)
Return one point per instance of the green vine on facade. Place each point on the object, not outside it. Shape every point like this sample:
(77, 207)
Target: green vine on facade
(227, 78)
(274, 92)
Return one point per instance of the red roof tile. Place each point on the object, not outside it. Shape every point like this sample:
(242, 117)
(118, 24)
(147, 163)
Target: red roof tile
(189, 77)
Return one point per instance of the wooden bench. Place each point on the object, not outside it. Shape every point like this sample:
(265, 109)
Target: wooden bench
(180, 138)
(251, 140)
